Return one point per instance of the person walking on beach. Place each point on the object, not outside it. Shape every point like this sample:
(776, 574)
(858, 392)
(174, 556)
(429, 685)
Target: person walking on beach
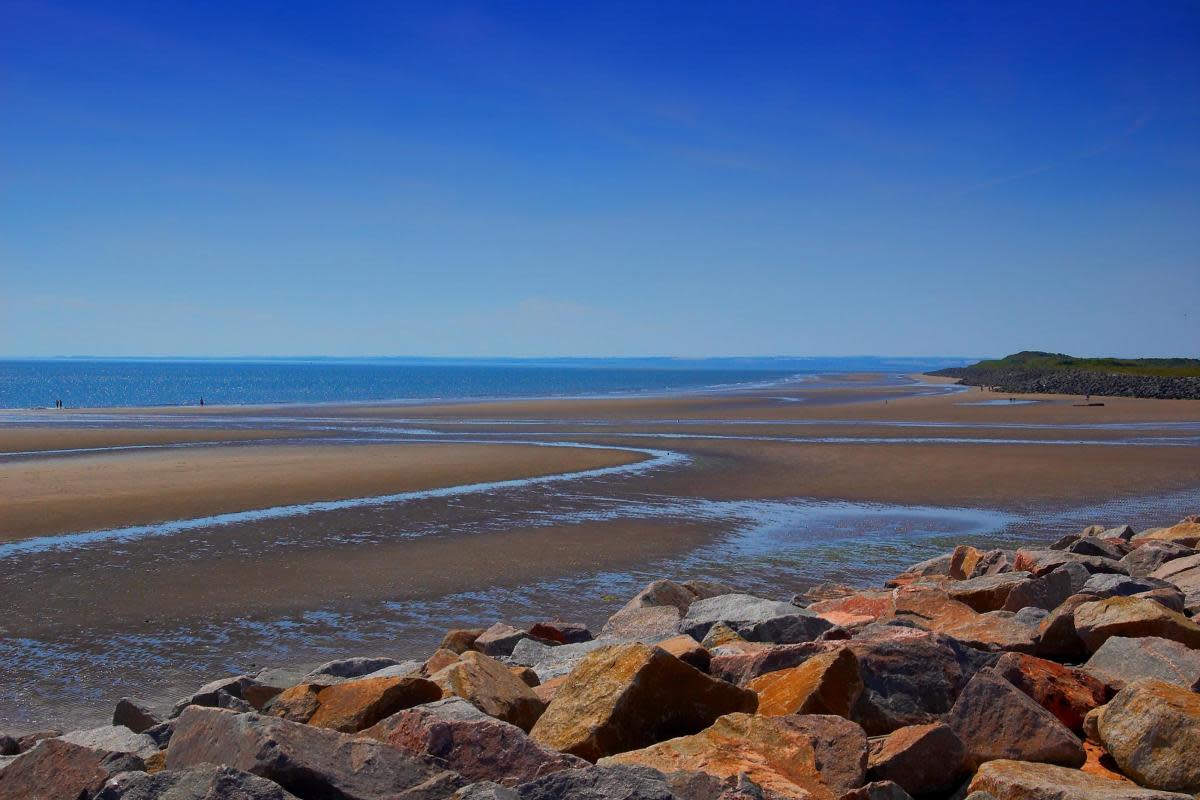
(201, 401)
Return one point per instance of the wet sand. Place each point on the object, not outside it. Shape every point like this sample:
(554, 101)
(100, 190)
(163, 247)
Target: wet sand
(108, 490)
(771, 489)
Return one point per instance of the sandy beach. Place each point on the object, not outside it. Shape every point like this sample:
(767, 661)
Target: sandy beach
(781, 484)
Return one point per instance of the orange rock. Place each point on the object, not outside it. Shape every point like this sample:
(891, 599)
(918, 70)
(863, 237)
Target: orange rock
(628, 696)
(296, 704)
(855, 609)
(963, 561)
(1132, 617)
(801, 757)
(1067, 693)
(687, 650)
(1101, 764)
(526, 675)
(356, 705)
(460, 640)
(489, 686)
(921, 759)
(930, 608)
(546, 691)
(440, 659)
(1186, 533)
(825, 684)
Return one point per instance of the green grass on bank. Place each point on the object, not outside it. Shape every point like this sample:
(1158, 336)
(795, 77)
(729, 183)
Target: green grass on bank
(1036, 360)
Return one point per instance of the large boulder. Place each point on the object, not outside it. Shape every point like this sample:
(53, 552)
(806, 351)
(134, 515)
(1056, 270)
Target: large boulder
(996, 720)
(500, 639)
(221, 693)
(135, 715)
(344, 669)
(1047, 591)
(1186, 533)
(455, 734)
(921, 759)
(1121, 660)
(753, 618)
(1151, 555)
(742, 666)
(1067, 693)
(642, 623)
(987, 592)
(553, 662)
(353, 705)
(1112, 585)
(113, 739)
(824, 684)
(910, 676)
(855, 609)
(204, 782)
(1057, 637)
(296, 704)
(617, 782)
(1132, 617)
(309, 762)
(1020, 780)
(1152, 730)
(1041, 562)
(561, 631)
(58, 770)
(1185, 574)
(629, 696)
(492, 688)
(802, 757)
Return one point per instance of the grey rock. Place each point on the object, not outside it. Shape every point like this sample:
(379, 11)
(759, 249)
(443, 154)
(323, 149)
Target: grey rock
(454, 709)
(1095, 546)
(618, 782)
(57, 770)
(1031, 616)
(1122, 585)
(9, 746)
(753, 618)
(938, 565)
(552, 662)
(309, 762)
(209, 695)
(486, 790)
(1047, 591)
(161, 733)
(878, 790)
(134, 714)
(500, 639)
(1122, 532)
(1122, 660)
(204, 782)
(113, 739)
(402, 670)
(1153, 554)
(27, 741)
(644, 624)
(346, 668)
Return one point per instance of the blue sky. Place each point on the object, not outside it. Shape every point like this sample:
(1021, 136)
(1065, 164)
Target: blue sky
(527, 179)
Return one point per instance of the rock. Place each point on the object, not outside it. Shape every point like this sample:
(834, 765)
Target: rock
(878, 790)
(1152, 555)
(346, 668)
(628, 696)
(855, 609)
(268, 683)
(553, 662)
(1152, 730)
(721, 635)
(1066, 693)
(1030, 616)
(1185, 574)
(663, 593)
(1167, 597)
(1047, 591)
(113, 739)
(993, 562)
(1186, 533)
(742, 667)
(1122, 532)
(1042, 562)
(824, 684)
(460, 640)
(996, 720)
(26, 742)
(650, 623)
(296, 704)
(1091, 724)
(134, 715)
(526, 675)
(963, 561)
(307, 761)
(439, 660)
(561, 632)
(995, 630)
(1101, 764)
(204, 782)
(547, 690)
(687, 650)
(455, 734)
(1111, 585)
(910, 676)
(9, 746)
(601, 783)
(818, 757)
(938, 565)
(1122, 660)
(59, 770)
(354, 705)
(988, 592)
(405, 669)
(1020, 780)
(921, 759)
(485, 790)
(489, 686)
(754, 619)
(1133, 617)
(210, 695)
(1098, 546)
(930, 608)
(1057, 637)
(499, 640)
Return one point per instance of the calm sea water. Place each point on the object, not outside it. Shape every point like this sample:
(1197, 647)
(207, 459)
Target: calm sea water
(109, 383)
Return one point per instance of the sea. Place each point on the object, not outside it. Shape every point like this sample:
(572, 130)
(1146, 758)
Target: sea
(111, 383)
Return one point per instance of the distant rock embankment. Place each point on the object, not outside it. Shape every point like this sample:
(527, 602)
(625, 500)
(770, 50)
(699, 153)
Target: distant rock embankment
(1064, 672)
(1034, 372)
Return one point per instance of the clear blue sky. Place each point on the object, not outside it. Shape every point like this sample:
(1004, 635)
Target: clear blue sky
(608, 178)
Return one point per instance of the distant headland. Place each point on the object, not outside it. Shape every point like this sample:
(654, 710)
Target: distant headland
(1032, 371)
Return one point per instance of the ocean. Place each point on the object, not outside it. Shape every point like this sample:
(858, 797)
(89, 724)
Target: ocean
(96, 383)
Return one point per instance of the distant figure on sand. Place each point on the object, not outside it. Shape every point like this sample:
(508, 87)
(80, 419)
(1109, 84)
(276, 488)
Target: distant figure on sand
(201, 401)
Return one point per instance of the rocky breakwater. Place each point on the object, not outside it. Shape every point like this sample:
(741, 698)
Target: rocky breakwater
(1069, 672)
